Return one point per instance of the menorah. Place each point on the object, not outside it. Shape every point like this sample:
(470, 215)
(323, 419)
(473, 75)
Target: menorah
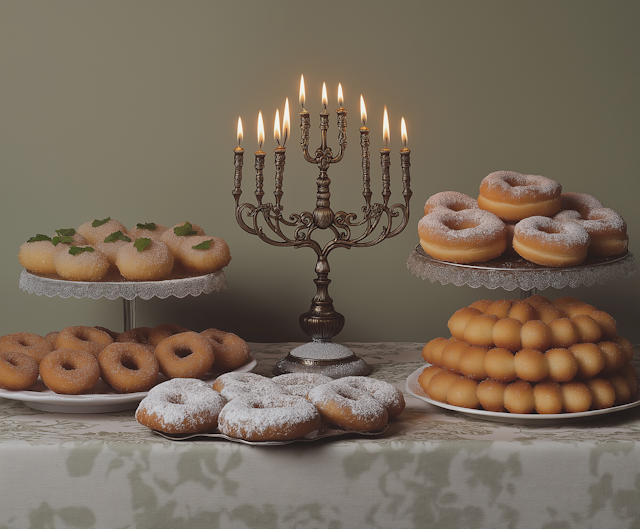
(322, 322)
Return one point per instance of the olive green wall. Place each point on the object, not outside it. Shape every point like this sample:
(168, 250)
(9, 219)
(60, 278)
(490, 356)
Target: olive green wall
(128, 109)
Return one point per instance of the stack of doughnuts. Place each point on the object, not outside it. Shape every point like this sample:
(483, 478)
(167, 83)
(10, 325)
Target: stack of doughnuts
(147, 252)
(532, 355)
(521, 213)
(73, 360)
(256, 408)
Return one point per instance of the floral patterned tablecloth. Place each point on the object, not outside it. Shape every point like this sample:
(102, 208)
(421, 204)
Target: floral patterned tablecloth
(431, 468)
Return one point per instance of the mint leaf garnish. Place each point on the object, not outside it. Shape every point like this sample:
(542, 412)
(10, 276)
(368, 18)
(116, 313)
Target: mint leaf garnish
(204, 245)
(66, 232)
(151, 226)
(97, 222)
(117, 236)
(185, 229)
(75, 250)
(58, 239)
(39, 237)
(142, 243)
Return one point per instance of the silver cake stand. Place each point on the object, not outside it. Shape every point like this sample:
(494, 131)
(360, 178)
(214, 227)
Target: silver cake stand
(176, 285)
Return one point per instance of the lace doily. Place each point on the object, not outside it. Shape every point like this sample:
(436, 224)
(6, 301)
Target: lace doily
(511, 273)
(128, 290)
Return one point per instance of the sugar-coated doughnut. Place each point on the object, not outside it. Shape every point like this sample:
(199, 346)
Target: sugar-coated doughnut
(460, 319)
(31, 344)
(128, 367)
(463, 393)
(590, 359)
(181, 405)
(621, 388)
(426, 375)
(549, 242)
(625, 346)
(203, 254)
(491, 395)
(140, 335)
(51, 338)
(269, 417)
(564, 333)
(440, 383)
(174, 236)
(97, 230)
(18, 371)
(630, 375)
(479, 330)
(300, 384)
(452, 200)
(185, 355)
(467, 236)
(587, 328)
(471, 363)
(113, 334)
(613, 357)
(36, 255)
(607, 230)
(506, 333)
(232, 385)
(164, 330)
(580, 202)
(230, 350)
(562, 364)
(603, 394)
(149, 230)
(547, 397)
(531, 365)
(81, 263)
(513, 196)
(576, 397)
(499, 308)
(386, 394)
(518, 397)
(144, 259)
(111, 246)
(69, 371)
(83, 338)
(433, 349)
(451, 354)
(523, 311)
(348, 407)
(500, 365)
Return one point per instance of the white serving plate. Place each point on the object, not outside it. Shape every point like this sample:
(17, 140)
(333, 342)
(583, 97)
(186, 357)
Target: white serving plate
(530, 419)
(101, 399)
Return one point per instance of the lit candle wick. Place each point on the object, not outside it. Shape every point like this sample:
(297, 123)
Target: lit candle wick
(363, 112)
(260, 131)
(286, 125)
(385, 128)
(302, 91)
(324, 96)
(403, 131)
(276, 127)
(240, 133)
(340, 96)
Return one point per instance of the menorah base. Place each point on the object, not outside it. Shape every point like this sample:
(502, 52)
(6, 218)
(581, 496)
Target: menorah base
(326, 358)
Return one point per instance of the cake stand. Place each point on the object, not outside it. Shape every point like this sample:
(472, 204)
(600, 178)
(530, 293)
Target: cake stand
(178, 285)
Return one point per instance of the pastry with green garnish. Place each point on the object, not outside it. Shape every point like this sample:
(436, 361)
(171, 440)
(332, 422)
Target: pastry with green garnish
(174, 236)
(97, 230)
(81, 263)
(145, 259)
(112, 244)
(204, 254)
(150, 230)
(36, 255)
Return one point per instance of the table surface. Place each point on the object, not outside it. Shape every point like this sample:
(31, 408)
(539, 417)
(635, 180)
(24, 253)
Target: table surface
(431, 468)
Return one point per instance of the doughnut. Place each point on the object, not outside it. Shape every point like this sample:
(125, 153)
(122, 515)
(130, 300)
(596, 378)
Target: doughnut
(300, 384)
(499, 308)
(139, 335)
(451, 354)
(426, 375)
(36, 255)
(348, 407)
(607, 324)
(81, 263)
(463, 393)
(269, 417)
(506, 334)
(621, 388)
(451, 200)
(479, 330)
(111, 246)
(84, 338)
(562, 364)
(230, 350)
(32, 345)
(491, 395)
(536, 335)
(128, 367)
(96, 231)
(630, 375)
(459, 320)
(513, 196)
(625, 346)
(440, 383)
(518, 397)
(471, 363)
(111, 333)
(164, 330)
(607, 230)
(590, 359)
(174, 236)
(432, 350)
(550, 242)
(144, 260)
(203, 254)
(614, 358)
(69, 371)
(185, 355)
(180, 406)
(531, 365)
(576, 397)
(602, 393)
(18, 371)
(232, 385)
(547, 397)
(467, 236)
(564, 333)
(148, 230)
(523, 312)
(500, 365)
(51, 338)
(580, 202)
(386, 394)
(587, 328)
(511, 228)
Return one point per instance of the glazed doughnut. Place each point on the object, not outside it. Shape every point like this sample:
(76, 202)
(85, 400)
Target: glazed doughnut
(513, 196)
(32, 345)
(467, 236)
(36, 255)
(83, 338)
(18, 371)
(451, 200)
(386, 394)
(518, 397)
(96, 231)
(232, 385)
(607, 230)
(269, 417)
(547, 397)
(580, 202)
(181, 405)
(111, 246)
(149, 230)
(128, 367)
(81, 263)
(203, 254)
(69, 371)
(185, 355)
(174, 236)
(550, 242)
(349, 407)
(230, 350)
(300, 384)
(144, 260)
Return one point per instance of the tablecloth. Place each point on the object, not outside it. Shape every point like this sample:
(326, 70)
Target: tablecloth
(431, 468)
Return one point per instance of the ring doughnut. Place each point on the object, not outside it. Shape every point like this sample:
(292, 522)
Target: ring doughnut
(268, 417)
(137, 335)
(164, 330)
(300, 384)
(386, 394)
(349, 407)
(513, 196)
(230, 350)
(452, 200)
(580, 202)
(467, 236)
(83, 338)
(18, 371)
(69, 371)
(181, 405)
(128, 367)
(231, 385)
(184, 355)
(607, 230)
(32, 345)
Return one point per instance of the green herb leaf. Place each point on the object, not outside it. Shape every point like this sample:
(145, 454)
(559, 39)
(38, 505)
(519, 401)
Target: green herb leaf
(142, 243)
(75, 250)
(185, 229)
(97, 222)
(117, 236)
(151, 226)
(66, 232)
(204, 245)
(39, 237)
(58, 239)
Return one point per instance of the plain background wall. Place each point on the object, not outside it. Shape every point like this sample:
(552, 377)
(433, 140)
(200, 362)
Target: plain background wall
(128, 109)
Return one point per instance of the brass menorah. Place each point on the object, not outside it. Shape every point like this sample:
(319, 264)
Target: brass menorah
(322, 322)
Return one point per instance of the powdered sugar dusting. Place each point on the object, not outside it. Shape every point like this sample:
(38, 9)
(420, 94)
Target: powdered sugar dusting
(520, 186)
(558, 234)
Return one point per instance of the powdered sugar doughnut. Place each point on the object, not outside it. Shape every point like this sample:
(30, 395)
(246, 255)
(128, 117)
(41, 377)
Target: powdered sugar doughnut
(230, 350)
(83, 338)
(185, 355)
(128, 367)
(31, 344)
(203, 254)
(36, 255)
(467, 236)
(181, 405)
(144, 260)
(386, 394)
(232, 385)
(580, 202)
(174, 236)
(69, 371)
(607, 230)
(513, 196)
(300, 384)
(268, 417)
(549, 242)
(81, 263)
(349, 407)
(451, 200)
(17, 370)
(96, 231)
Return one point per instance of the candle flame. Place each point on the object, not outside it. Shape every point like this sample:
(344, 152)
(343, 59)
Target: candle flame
(260, 130)
(276, 127)
(403, 131)
(363, 112)
(302, 91)
(286, 122)
(385, 127)
(240, 133)
(340, 97)
(324, 95)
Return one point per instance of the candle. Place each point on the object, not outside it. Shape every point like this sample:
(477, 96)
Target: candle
(324, 96)
(238, 155)
(279, 152)
(385, 161)
(405, 161)
(260, 131)
(385, 128)
(366, 161)
(340, 97)
(286, 124)
(302, 91)
(259, 160)
(363, 112)
(305, 123)
(240, 133)
(276, 127)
